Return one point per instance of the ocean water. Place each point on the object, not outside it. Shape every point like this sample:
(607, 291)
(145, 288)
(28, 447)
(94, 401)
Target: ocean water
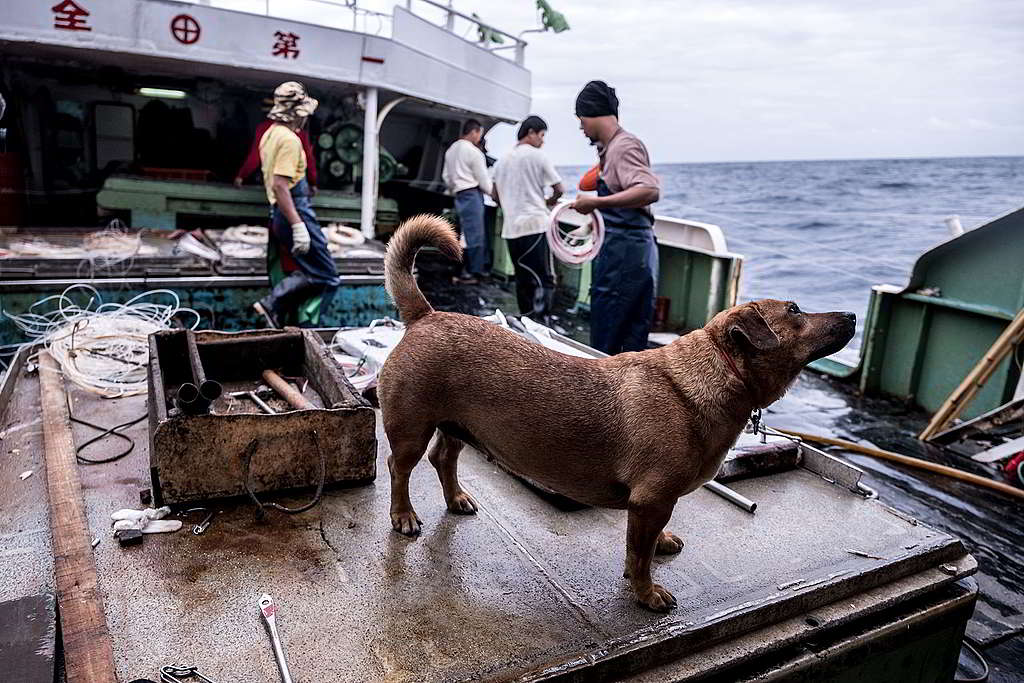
(823, 232)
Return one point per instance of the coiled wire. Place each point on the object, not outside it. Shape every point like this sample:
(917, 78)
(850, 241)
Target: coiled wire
(102, 349)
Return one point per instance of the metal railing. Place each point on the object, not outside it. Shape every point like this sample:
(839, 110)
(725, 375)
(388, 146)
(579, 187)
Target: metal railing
(486, 31)
(351, 16)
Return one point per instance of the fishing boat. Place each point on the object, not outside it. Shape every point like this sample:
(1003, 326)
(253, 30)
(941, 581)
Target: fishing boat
(822, 581)
(141, 112)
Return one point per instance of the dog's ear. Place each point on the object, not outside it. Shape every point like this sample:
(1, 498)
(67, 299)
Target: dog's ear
(748, 329)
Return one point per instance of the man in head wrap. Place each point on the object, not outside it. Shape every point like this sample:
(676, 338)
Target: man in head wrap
(625, 272)
(302, 273)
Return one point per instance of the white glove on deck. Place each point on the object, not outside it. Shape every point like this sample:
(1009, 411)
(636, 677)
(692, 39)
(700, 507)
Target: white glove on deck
(300, 238)
(149, 521)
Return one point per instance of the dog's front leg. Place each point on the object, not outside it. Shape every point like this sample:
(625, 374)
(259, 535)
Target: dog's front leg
(646, 520)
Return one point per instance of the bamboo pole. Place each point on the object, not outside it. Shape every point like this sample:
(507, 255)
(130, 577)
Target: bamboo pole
(912, 462)
(976, 378)
(88, 647)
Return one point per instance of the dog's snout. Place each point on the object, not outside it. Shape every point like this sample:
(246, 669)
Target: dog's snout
(849, 315)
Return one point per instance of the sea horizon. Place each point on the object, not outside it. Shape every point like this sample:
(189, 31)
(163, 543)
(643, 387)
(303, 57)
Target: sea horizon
(818, 160)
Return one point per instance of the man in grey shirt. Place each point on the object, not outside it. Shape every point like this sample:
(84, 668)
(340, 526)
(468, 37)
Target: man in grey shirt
(465, 175)
(521, 180)
(625, 272)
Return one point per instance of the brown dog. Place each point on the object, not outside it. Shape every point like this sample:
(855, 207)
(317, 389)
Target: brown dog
(645, 428)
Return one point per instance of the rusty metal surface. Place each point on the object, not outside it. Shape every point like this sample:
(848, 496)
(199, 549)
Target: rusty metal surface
(200, 457)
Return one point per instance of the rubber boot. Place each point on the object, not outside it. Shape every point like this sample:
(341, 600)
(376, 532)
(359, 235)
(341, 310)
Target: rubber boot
(285, 297)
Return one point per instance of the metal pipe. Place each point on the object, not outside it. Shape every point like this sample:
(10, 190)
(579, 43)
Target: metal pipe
(210, 390)
(185, 398)
(368, 208)
(262, 404)
(254, 397)
(733, 497)
(287, 391)
(207, 390)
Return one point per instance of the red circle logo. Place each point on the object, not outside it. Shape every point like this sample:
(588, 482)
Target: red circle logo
(185, 29)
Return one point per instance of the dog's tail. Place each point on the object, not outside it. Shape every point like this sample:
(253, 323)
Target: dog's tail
(418, 231)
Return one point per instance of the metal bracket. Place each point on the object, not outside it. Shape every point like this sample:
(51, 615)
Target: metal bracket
(830, 468)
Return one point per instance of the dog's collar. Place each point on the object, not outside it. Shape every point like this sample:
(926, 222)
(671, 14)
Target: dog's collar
(735, 371)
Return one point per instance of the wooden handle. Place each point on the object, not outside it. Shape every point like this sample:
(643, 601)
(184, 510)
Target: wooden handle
(287, 391)
(976, 378)
(911, 462)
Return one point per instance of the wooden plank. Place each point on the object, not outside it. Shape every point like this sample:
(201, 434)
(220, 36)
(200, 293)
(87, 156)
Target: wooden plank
(976, 378)
(88, 648)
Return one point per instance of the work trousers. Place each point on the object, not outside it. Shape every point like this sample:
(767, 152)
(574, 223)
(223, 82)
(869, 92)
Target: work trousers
(623, 286)
(302, 285)
(535, 277)
(469, 206)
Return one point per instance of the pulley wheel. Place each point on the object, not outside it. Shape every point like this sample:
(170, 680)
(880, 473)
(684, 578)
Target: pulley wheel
(348, 143)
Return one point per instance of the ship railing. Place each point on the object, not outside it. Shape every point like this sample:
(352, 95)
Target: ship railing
(351, 16)
(488, 34)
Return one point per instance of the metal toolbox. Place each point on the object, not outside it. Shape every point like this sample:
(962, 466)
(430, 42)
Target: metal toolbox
(236, 448)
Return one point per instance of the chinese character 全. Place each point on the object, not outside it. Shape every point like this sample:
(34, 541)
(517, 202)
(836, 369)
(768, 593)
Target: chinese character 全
(69, 16)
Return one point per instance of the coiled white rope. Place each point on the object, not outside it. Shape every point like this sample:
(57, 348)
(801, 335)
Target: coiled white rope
(246, 234)
(111, 251)
(104, 350)
(577, 245)
(244, 241)
(343, 235)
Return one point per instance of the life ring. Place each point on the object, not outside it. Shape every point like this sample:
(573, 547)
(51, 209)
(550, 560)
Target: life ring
(343, 235)
(246, 234)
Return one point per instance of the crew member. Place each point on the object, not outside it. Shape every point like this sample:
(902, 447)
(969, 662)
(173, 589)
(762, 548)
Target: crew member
(252, 160)
(625, 272)
(465, 175)
(302, 273)
(521, 179)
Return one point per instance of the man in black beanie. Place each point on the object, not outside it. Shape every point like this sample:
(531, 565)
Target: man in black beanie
(624, 278)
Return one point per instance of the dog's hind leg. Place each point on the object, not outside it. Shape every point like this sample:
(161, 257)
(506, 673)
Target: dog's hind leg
(444, 456)
(669, 543)
(406, 451)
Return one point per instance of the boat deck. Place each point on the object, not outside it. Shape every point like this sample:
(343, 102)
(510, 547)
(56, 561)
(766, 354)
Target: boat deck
(522, 590)
(986, 521)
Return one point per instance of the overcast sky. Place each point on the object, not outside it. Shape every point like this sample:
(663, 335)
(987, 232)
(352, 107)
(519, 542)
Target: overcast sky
(724, 80)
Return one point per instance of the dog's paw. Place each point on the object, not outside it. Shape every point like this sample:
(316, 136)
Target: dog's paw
(407, 523)
(669, 543)
(657, 599)
(462, 504)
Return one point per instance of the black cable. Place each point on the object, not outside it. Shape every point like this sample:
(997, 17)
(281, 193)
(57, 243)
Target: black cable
(985, 670)
(105, 432)
(260, 505)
